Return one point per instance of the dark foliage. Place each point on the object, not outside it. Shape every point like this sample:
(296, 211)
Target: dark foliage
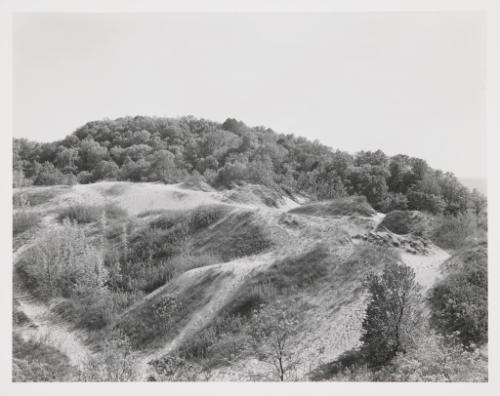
(459, 303)
(227, 154)
(391, 316)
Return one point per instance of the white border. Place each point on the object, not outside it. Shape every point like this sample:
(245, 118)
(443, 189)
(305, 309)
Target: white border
(492, 11)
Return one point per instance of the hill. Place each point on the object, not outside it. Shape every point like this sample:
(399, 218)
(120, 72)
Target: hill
(183, 249)
(173, 150)
(188, 273)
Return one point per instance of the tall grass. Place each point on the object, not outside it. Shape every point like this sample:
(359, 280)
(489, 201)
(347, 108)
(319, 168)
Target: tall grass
(84, 214)
(24, 220)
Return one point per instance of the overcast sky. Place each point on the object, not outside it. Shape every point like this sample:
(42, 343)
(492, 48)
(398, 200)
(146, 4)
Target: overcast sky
(404, 83)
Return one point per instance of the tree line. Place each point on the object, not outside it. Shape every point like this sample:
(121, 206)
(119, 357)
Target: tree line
(171, 149)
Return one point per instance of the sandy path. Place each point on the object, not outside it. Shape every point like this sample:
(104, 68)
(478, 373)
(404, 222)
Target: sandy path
(57, 335)
(427, 266)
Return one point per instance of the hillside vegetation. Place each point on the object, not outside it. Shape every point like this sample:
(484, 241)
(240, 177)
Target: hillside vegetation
(242, 254)
(224, 155)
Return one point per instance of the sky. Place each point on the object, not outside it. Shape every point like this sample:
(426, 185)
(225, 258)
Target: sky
(411, 83)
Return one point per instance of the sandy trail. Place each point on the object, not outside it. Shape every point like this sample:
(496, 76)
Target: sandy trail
(426, 267)
(57, 335)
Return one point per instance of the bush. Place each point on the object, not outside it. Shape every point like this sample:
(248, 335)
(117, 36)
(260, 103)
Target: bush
(459, 303)
(81, 214)
(61, 261)
(393, 201)
(452, 232)
(437, 359)
(397, 221)
(113, 364)
(84, 177)
(431, 203)
(392, 315)
(34, 361)
(434, 358)
(347, 206)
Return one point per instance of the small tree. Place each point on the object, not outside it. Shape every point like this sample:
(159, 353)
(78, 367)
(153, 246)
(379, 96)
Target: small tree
(272, 334)
(393, 313)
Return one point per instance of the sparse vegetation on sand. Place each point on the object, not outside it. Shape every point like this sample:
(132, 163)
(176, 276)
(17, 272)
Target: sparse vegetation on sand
(24, 220)
(34, 361)
(84, 214)
(348, 206)
(195, 250)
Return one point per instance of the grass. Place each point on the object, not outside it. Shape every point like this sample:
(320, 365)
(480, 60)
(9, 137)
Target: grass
(36, 196)
(240, 234)
(227, 337)
(84, 214)
(24, 220)
(160, 320)
(348, 206)
(115, 190)
(34, 361)
(313, 273)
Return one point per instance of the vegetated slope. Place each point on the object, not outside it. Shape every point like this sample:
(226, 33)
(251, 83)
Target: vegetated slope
(348, 206)
(305, 256)
(231, 153)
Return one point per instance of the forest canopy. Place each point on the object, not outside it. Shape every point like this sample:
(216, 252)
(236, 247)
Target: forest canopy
(171, 149)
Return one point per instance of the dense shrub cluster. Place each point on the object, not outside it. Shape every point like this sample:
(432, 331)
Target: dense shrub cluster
(459, 303)
(169, 150)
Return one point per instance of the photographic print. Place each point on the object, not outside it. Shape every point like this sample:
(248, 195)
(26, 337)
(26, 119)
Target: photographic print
(249, 197)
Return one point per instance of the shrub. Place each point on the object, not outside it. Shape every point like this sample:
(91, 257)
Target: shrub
(34, 361)
(36, 196)
(84, 177)
(431, 203)
(113, 364)
(393, 201)
(81, 214)
(93, 308)
(20, 180)
(113, 211)
(433, 358)
(459, 303)
(392, 314)
(346, 206)
(452, 232)
(437, 359)
(59, 262)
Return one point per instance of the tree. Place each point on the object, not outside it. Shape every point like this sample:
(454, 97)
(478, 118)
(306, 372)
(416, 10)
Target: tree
(91, 152)
(418, 200)
(272, 332)
(393, 313)
(105, 170)
(164, 166)
(48, 175)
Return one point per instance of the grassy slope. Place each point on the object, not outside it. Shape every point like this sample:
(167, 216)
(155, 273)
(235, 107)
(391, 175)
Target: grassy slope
(326, 280)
